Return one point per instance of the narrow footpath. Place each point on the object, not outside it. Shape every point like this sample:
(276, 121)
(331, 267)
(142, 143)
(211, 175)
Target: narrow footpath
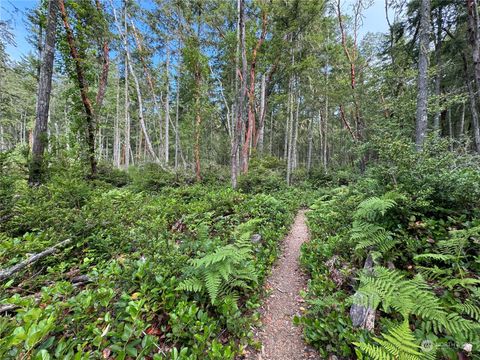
(281, 340)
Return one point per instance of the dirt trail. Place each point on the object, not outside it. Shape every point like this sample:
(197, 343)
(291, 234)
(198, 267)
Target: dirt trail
(280, 338)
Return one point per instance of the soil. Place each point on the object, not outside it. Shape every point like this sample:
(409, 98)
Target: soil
(281, 340)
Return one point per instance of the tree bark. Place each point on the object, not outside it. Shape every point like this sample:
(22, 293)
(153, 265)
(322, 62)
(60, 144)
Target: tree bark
(7, 273)
(473, 105)
(137, 87)
(151, 85)
(177, 135)
(422, 81)
(40, 138)
(102, 85)
(251, 97)
(474, 37)
(116, 129)
(167, 109)
(261, 123)
(438, 76)
(310, 144)
(290, 130)
(295, 131)
(83, 86)
(198, 121)
(461, 131)
(240, 96)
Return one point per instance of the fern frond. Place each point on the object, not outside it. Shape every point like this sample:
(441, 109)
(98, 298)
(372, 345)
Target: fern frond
(226, 270)
(371, 208)
(373, 352)
(469, 309)
(192, 284)
(433, 273)
(440, 257)
(465, 283)
(398, 343)
(212, 284)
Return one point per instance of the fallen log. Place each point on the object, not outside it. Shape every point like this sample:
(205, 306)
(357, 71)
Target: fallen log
(8, 307)
(5, 274)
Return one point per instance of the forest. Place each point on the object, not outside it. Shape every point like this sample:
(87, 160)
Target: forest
(240, 179)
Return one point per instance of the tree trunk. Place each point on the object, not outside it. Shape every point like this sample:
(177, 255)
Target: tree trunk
(102, 85)
(251, 97)
(167, 109)
(474, 37)
(126, 109)
(438, 77)
(295, 131)
(151, 86)
(422, 82)
(198, 121)
(290, 132)
(473, 105)
(272, 125)
(461, 131)
(137, 87)
(40, 139)
(310, 144)
(325, 137)
(240, 96)
(116, 129)
(177, 135)
(261, 122)
(82, 83)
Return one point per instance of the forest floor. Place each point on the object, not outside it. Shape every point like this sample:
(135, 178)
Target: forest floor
(280, 338)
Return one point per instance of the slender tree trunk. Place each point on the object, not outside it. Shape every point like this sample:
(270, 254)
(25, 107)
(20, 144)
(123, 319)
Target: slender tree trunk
(240, 96)
(461, 131)
(198, 121)
(40, 139)
(295, 131)
(82, 83)
(167, 109)
(450, 128)
(310, 144)
(126, 113)
(473, 105)
(177, 135)
(2, 139)
(438, 77)
(290, 133)
(261, 122)
(143, 127)
(116, 128)
(137, 86)
(474, 37)
(422, 81)
(287, 125)
(151, 86)
(102, 86)
(272, 125)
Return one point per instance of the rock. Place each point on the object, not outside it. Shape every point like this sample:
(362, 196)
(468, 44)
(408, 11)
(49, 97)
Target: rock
(256, 239)
(361, 315)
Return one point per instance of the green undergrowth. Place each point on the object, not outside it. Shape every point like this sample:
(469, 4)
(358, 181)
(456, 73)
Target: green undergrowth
(417, 216)
(172, 271)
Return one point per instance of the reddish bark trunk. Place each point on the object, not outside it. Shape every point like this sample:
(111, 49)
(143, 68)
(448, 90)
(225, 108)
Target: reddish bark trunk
(345, 121)
(82, 83)
(251, 97)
